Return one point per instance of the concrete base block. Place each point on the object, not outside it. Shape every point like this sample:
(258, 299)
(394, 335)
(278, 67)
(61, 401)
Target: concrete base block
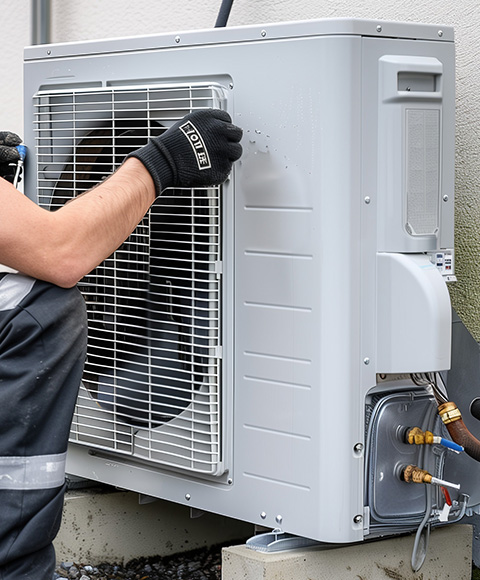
(449, 556)
(111, 526)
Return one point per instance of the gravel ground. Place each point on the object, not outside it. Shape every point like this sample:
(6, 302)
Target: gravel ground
(201, 564)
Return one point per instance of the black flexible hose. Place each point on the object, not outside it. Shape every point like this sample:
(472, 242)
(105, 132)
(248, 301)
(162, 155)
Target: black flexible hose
(223, 13)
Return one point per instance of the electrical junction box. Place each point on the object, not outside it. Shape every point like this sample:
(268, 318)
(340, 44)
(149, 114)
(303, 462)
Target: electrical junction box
(252, 346)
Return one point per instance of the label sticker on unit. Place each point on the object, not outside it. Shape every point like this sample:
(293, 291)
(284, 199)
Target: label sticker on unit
(198, 146)
(443, 260)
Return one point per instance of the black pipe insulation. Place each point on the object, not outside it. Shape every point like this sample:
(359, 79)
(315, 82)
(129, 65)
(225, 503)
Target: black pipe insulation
(41, 21)
(475, 408)
(223, 13)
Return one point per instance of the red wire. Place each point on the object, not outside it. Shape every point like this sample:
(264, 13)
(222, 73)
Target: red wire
(448, 500)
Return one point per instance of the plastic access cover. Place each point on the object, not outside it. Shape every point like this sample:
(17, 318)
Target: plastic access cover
(391, 499)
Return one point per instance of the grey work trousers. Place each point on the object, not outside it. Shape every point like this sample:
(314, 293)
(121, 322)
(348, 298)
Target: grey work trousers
(43, 334)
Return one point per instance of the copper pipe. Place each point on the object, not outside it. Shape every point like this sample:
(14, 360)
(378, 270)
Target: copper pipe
(452, 418)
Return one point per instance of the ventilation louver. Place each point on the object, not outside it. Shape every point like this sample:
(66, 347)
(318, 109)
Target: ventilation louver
(152, 381)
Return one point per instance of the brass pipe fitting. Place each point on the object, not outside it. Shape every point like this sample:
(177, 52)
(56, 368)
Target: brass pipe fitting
(416, 436)
(413, 474)
(449, 412)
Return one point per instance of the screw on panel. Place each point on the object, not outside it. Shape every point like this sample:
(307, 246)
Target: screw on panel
(440, 33)
(379, 28)
(49, 52)
(367, 200)
(231, 85)
(358, 447)
(358, 519)
(445, 198)
(263, 33)
(263, 515)
(230, 481)
(188, 496)
(366, 361)
(177, 39)
(278, 519)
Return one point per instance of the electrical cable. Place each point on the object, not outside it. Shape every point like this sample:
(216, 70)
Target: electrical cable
(223, 13)
(441, 389)
(422, 536)
(418, 557)
(430, 380)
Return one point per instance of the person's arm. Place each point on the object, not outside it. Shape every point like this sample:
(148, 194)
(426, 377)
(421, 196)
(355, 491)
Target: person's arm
(62, 246)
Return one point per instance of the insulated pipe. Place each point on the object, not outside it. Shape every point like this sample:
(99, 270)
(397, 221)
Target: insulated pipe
(223, 13)
(452, 418)
(41, 30)
(475, 409)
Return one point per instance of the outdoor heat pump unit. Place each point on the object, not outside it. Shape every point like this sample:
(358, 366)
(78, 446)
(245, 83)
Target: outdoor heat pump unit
(261, 349)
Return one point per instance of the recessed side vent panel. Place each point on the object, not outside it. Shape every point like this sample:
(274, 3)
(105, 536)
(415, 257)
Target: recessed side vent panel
(152, 381)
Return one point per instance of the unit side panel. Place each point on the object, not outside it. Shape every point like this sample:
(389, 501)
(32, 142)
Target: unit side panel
(297, 411)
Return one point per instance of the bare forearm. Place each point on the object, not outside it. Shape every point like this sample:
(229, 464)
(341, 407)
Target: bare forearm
(63, 246)
(95, 224)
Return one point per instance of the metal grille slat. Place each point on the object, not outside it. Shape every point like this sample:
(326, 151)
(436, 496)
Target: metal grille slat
(152, 382)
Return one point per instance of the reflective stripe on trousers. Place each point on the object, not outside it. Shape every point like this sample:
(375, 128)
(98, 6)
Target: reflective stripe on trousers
(35, 472)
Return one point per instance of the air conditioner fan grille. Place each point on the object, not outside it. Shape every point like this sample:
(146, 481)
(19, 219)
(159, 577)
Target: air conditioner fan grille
(151, 386)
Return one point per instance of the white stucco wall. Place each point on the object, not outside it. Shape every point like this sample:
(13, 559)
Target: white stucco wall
(15, 32)
(74, 20)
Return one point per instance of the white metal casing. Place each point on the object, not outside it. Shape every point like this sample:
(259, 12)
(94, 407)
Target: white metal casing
(309, 206)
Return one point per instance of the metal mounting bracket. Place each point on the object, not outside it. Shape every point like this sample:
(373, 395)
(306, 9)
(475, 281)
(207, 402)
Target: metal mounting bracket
(278, 541)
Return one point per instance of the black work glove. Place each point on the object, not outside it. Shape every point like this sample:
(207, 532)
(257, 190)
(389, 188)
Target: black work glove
(197, 151)
(8, 154)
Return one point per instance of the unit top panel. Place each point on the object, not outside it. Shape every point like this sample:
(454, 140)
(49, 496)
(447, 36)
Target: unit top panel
(239, 34)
